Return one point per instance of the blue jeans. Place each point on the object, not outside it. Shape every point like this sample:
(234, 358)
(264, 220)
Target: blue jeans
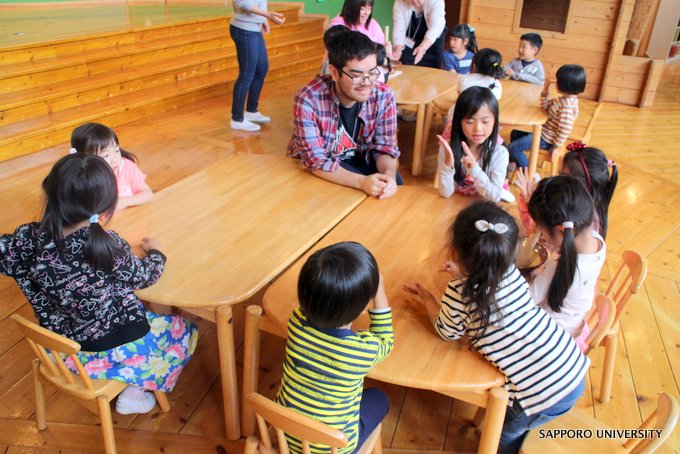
(373, 409)
(517, 424)
(253, 66)
(358, 165)
(521, 141)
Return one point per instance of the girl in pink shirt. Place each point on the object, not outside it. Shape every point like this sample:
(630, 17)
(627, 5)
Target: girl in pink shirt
(357, 15)
(100, 140)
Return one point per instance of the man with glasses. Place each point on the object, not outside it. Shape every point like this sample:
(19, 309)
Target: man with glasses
(345, 123)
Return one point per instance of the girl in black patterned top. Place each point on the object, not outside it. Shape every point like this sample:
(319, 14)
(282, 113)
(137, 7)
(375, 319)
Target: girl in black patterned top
(80, 280)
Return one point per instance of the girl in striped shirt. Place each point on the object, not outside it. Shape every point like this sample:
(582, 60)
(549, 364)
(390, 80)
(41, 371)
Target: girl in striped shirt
(488, 301)
(326, 361)
(562, 113)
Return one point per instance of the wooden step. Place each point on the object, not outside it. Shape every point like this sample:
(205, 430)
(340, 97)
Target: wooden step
(45, 52)
(28, 136)
(43, 100)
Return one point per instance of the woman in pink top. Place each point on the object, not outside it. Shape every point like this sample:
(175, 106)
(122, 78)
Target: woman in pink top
(100, 140)
(357, 15)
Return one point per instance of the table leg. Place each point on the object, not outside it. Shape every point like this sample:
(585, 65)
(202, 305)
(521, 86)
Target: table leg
(225, 339)
(417, 165)
(493, 423)
(429, 113)
(251, 363)
(535, 147)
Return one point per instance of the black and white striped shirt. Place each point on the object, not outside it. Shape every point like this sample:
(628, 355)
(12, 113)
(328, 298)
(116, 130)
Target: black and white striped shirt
(540, 361)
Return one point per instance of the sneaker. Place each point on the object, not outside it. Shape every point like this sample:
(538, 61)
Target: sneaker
(127, 406)
(409, 117)
(256, 117)
(245, 125)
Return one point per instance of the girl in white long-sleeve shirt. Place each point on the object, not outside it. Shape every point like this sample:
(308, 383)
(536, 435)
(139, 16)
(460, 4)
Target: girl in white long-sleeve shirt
(473, 163)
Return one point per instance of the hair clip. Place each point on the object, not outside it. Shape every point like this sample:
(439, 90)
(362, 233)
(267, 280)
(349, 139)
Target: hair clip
(568, 225)
(94, 219)
(72, 151)
(484, 226)
(495, 64)
(575, 146)
(471, 28)
(610, 163)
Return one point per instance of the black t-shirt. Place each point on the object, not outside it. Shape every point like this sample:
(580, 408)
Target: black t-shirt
(348, 131)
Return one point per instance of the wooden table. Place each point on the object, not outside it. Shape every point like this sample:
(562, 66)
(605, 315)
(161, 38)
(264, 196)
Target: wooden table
(407, 235)
(520, 105)
(420, 86)
(227, 232)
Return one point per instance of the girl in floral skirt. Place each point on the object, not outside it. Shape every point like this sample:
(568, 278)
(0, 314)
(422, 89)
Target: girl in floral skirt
(80, 280)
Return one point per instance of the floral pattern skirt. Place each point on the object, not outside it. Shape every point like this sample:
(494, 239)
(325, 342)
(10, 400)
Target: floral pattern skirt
(152, 362)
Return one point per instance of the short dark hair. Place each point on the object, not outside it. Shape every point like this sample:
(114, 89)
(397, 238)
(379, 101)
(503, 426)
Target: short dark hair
(534, 39)
(77, 187)
(488, 62)
(336, 284)
(332, 33)
(349, 46)
(571, 79)
(351, 11)
(91, 138)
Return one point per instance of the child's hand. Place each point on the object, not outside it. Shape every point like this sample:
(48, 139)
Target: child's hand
(275, 17)
(469, 160)
(149, 243)
(421, 292)
(509, 72)
(451, 268)
(526, 185)
(546, 86)
(380, 301)
(554, 153)
(448, 152)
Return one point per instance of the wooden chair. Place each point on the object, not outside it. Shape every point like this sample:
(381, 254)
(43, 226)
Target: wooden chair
(626, 282)
(284, 420)
(575, 135)
(600, 320)
(664, 419)
(95, 395)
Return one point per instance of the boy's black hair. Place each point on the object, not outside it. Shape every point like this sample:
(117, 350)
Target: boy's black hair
(77, 187)
(336, 284)
(534, 39)
(468, 103)
(571, 79)
(90, 138)
(464, 31)
(598, 181)
(488, 62)
(351, 11)
(483, 257)
(332, 33)
(555, 201)
(349, 46)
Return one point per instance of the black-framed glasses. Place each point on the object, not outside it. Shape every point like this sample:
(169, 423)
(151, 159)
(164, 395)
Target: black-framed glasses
(358, 79)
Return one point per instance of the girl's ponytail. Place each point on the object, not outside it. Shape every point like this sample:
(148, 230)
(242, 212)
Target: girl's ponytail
(101, 250)
(566, 268)
(561, 202)
(472, 40)
(603, 208)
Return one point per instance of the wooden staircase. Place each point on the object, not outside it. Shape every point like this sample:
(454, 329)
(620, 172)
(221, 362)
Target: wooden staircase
(47, 89)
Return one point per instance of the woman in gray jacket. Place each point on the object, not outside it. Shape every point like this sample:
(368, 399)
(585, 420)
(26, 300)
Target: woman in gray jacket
(249, 21)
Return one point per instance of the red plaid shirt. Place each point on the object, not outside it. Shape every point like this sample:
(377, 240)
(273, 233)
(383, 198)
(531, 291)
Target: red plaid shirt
(317, 116)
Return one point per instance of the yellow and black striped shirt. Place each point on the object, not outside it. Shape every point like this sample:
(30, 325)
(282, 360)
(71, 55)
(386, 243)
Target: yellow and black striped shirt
(324, 370)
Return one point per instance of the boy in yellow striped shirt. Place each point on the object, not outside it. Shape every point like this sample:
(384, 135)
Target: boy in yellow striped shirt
(326, 361)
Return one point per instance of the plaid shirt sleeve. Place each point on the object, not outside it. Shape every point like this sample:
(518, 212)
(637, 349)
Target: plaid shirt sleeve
(310, 119)
(385, 138)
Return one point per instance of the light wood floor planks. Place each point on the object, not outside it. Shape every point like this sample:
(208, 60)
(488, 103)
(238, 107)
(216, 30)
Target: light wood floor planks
(645, 216)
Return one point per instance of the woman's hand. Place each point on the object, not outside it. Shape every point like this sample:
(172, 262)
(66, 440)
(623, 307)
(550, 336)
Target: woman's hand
(469, 160)
(396, 53)
(266, 28)
(448, 152)
(275, 17)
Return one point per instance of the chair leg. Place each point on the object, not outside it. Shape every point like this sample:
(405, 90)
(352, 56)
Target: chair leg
(478, 419)
(251, 446)
(107, 425)
(251, 364)
(162, 400)
(610, 343)
(39, 389)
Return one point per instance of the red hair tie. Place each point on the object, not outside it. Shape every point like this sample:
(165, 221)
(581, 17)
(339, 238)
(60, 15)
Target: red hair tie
(576, 146)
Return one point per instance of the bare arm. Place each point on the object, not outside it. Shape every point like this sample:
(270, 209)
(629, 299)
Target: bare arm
(144, 195)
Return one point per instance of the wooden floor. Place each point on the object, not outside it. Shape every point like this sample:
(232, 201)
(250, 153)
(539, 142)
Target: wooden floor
(645, 216)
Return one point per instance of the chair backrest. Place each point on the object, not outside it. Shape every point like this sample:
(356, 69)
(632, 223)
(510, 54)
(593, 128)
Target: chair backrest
(284, 420)
(627, 281)
(53, 351)
(600, 320)
(664, 418)
(591, 124)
